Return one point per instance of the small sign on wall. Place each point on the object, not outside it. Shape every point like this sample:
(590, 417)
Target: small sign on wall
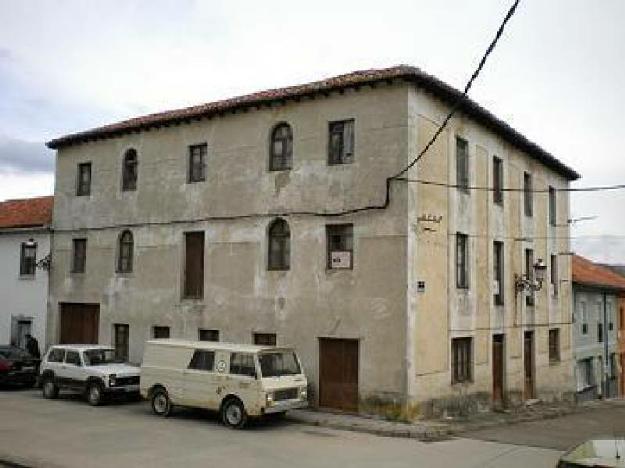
(420, 286)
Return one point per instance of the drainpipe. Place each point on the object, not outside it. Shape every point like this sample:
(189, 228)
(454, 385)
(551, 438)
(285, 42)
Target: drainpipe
(606, 362)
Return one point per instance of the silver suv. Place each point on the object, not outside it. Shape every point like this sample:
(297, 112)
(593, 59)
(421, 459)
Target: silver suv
(90, 369)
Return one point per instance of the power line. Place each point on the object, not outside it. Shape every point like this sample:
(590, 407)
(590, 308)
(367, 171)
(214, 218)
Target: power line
(597, 188)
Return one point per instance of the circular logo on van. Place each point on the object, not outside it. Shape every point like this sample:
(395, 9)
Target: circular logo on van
(221, 366)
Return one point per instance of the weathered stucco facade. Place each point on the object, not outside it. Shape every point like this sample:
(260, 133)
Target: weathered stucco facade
(403, 329)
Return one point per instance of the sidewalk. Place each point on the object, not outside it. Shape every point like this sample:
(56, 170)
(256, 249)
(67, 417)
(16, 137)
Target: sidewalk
(433, 430)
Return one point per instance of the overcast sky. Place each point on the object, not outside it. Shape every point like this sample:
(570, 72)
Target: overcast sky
(558, 74)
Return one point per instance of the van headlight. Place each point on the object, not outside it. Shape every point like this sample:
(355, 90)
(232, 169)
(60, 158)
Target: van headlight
(112, 380)
(269, 399)
(303, 393)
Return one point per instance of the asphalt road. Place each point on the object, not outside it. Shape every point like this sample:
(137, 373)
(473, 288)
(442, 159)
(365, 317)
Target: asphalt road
(69, 433)
(560, 433)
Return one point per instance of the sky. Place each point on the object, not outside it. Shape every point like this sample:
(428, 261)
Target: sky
(557, 75)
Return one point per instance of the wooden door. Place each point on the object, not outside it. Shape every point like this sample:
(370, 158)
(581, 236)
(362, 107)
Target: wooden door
(498, 369)
(528, 363)
(79, 323)
(338, 374)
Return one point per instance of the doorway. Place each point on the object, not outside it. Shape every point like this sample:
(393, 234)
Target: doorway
(528, 364)
(79, 323)
(498, 369)
(338, 373)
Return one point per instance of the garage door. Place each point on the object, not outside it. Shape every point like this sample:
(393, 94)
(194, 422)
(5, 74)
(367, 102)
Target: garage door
(79, 323)
(338, 374)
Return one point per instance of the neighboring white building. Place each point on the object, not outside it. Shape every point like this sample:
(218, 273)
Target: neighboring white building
(24, 249)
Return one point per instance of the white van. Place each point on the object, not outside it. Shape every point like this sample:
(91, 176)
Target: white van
(236, 380)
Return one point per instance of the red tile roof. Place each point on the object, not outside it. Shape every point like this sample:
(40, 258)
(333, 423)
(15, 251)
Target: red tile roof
(29, 212)
(350, 80)
(588, 273)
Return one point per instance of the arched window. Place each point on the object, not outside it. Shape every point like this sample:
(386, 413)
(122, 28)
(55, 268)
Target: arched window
(279, 245)
(281, 148)
(125, 251)
(130, 170)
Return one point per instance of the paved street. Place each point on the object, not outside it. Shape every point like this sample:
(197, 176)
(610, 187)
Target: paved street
(68, 433)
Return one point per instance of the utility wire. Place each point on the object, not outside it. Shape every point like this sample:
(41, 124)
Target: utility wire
(598, 188)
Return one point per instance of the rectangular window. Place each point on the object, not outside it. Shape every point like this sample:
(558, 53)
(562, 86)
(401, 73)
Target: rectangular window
(73, 358)
(554, 274)
(462, 164)
(584, 314)
(340, 245)
(462, 361)
(56, 355)
(584, 374)
(197, 163)
(613, 366)
(194, 265)
(498, 279)
(28, 259)
(497, 180)
(208, 335)
(462, 260)
(529, 274)
(79, 255)
(202, 360)
(121, 337)
(341, 142)
(265, 339)
(83, 183)
(554, 345)
(160, 332)
(599, 332)
(552, 206)
(528, 195)
(242, 364)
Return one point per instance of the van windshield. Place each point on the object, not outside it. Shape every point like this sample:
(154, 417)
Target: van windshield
(278, 364)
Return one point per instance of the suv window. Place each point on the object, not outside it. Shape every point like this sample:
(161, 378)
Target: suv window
(202, 360)
(72, 357)
(56, 355)
(242, 364)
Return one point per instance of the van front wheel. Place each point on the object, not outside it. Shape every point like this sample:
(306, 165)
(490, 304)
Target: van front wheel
(233, 414)
(161, 404)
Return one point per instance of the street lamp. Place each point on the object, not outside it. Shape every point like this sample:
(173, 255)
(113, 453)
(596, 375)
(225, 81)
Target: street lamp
(534, 283)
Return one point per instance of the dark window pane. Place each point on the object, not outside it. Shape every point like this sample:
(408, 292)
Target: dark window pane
(552, 206)
(462, 260)
(462, 164)
(528, 195)
(529, 274)
(208, 335)
(462, 360)
(497, 180)
(160, 332)
(242, 364)
(130, 170)
(265, 339)
(79, 258)
(498, 272)
(83, 186)
(197, 162)
(341, 142)
(194, 265)
(340, 245)
(281, 148)
(122, 332)
(72, 357)
(202, 360)
(126, 248)
(28, 258)
(279, 244)
(554, 345)
(554, 274)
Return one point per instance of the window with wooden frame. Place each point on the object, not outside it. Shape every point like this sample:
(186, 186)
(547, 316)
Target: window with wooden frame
(498, 275)
(28, 258)
(462, 261)
(83, 179)
(281, 148)
(341, 142)
(497, 180)
(121, 337)
(265, 339)
(600, 332)
(125, 251)
(584, 321)
(340, 246)
(554, 345)
(461, 360)
(160, 332)
(197, 163)
(554, 274)
(208, 335)
(279, 245)
(552, 206)
(529, 274)
(79, 255)
(130, 171)
(194, 265)
(528, 194)
(462, 164)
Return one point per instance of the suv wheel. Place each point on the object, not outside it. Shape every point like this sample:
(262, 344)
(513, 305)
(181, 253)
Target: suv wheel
(50, 389)
(94, 394)
(233, 414)
(161, 404)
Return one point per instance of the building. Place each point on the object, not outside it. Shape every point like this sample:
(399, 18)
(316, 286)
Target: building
(240, 220)
(24, 250)
(598, 312)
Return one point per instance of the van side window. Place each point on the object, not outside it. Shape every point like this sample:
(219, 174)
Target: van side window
(56, 355)
(202, 360)
(72, 357)
(242, 364)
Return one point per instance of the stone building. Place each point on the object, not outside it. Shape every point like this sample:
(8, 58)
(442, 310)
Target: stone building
(598, 309)
(240, 220)
(24, 248)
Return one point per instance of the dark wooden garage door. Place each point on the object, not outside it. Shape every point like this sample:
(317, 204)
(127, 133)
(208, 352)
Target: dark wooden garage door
(79, 323)
(338, 374)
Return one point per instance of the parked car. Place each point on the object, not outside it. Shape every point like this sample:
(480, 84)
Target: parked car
(93, 370)
(236, 380)
(602, 452)
(17, 367)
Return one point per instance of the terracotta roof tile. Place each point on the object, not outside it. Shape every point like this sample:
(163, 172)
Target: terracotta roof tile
(29, 212)
(358, 78)
(593, 274)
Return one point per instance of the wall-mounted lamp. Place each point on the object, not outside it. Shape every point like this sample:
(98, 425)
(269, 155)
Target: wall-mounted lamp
(523, 283)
